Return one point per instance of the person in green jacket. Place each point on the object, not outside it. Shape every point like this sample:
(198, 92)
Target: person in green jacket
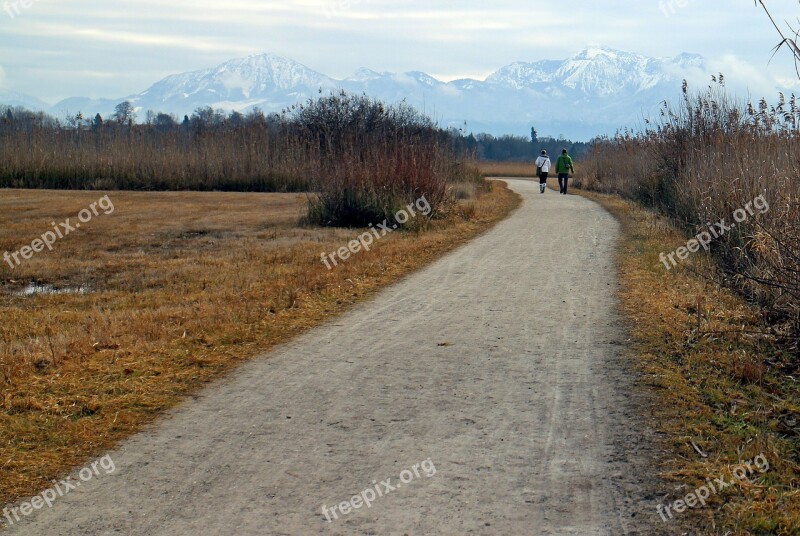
(563, 166)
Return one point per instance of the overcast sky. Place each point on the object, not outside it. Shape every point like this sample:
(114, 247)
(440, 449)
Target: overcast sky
(113, 48)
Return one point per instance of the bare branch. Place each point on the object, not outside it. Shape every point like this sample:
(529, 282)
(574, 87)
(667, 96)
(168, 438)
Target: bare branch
(789, 42)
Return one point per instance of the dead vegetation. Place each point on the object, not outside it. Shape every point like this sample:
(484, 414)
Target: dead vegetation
(506, 169)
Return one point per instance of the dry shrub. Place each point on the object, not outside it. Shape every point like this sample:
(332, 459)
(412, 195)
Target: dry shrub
(373, 159)
(747, 368)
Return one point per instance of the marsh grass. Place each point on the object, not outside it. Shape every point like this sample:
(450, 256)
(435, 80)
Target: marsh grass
(506, 169)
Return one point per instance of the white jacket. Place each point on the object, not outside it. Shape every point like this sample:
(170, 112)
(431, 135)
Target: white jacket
(544, 163)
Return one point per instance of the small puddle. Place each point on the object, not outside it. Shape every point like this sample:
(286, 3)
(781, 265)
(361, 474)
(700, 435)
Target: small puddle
(37, 289)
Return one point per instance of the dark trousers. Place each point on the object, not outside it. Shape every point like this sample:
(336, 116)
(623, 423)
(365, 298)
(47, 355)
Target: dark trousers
(563, 182)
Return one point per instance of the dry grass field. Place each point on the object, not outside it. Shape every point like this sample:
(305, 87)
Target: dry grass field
(507, 169)
(724, 392)
(176, 289)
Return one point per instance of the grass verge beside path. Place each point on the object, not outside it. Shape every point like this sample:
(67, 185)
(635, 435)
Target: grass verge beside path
(725, 391)
(181, 287)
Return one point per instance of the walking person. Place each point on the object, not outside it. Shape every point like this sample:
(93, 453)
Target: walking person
(563, 166)
(542, 169)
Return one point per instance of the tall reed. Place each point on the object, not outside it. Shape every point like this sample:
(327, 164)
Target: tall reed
(362, 159)
(701, 161)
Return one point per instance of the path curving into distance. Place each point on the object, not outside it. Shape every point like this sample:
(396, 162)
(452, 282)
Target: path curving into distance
(498, 368)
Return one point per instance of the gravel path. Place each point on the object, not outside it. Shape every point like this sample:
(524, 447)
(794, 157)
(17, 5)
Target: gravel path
(498, 366)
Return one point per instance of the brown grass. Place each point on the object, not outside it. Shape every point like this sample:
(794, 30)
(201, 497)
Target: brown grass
(507, 169)
(721, 383)
(183, 287)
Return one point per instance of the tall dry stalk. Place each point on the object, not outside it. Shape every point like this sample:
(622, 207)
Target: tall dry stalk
(705, 159)
(786, 42)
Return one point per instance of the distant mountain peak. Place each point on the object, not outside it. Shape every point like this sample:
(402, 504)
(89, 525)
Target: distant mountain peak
(263, 60)
(235, 83)
(594, 51)
(687, 59)
(592, 92)
(363, 75)
(423, 78)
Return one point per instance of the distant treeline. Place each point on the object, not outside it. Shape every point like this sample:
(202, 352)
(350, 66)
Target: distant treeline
(204, 127)
(515, 148)
(361, 155)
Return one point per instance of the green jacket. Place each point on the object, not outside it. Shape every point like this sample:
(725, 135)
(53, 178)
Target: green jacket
(564, 164)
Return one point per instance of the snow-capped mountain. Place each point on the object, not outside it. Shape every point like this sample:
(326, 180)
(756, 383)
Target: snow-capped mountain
(255, 80)
(593, 92)
(596, 73)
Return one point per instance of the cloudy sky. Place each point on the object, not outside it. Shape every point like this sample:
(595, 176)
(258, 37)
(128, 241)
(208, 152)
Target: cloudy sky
(112, 48)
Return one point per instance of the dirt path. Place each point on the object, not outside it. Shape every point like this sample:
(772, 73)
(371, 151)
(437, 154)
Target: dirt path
(500, 363)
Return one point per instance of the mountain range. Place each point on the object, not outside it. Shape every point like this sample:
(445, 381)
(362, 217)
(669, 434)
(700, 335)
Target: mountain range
(596, 91)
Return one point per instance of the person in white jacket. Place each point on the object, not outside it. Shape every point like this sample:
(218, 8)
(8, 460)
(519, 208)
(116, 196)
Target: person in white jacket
(543, 168)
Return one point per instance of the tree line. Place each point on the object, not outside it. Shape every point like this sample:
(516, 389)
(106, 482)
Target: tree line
(508, 148)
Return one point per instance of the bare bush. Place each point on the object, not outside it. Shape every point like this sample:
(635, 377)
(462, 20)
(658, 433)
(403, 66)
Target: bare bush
(373, 159)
